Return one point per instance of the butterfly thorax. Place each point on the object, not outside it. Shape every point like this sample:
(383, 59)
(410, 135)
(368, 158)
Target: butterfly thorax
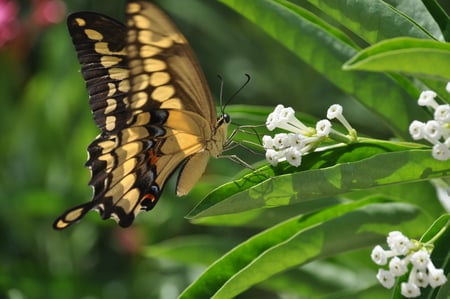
(219, 136)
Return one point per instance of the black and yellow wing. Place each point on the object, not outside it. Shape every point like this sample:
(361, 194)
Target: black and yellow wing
(151, 102)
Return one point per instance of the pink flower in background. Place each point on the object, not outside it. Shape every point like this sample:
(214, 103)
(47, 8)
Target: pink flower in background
(18, 31)
(9, 24)
(48, 12)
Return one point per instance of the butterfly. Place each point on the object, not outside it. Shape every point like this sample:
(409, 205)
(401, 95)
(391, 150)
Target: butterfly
(151, 102)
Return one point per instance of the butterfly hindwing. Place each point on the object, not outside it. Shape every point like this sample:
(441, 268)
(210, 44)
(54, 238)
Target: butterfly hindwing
(152, 104)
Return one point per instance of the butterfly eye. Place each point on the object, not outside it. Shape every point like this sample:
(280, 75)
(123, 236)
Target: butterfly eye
(224, 118)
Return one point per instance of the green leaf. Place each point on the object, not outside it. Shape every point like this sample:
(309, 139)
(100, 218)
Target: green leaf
(326, 50)
(375, 21)
(405, 55)
(299, 240)
(440, 16)
(185, 249)
(437, 228)
(324, 174)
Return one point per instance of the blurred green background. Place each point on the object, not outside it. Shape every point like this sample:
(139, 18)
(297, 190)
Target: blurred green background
(46, 126)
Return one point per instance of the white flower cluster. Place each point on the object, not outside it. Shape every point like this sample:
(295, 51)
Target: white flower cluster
(436, 131)
(422, 273)
(301, 139)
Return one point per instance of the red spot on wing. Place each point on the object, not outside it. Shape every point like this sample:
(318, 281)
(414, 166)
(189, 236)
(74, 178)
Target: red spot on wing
(153, 158)
(149, 196)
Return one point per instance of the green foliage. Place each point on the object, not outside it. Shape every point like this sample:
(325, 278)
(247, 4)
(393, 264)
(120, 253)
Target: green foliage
(271, 232)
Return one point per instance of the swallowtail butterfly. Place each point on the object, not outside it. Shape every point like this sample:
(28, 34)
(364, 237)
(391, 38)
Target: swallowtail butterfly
(153, 107)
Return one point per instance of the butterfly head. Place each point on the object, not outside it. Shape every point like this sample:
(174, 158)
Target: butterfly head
(224, 118)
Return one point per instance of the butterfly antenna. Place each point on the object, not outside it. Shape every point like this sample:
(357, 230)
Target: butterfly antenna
(222, 107)
(238, 91)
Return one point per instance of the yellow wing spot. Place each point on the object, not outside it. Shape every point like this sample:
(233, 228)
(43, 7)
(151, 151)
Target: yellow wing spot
(118, 74)
(111, 89)
(126, 101)
(132, 35)
(69, 217)
(123, 170)
(136, 67)
(178, 38)
(140, 82)
(129, 150)
(141, 119)
(130, 199)
(159, 78)
(153, 65)
(109, 61)
(80, 22)
(141, 22)
(149, 51)
(121, 187)
(163, 93)
(132, 51)
(109, 159)
(102, 48)
(147, 37)
(107, 145)
(110, 123)
(163, 42)
(93, 34)
(133, 8)
(139, 99)
(124, 86)
(133, 133)
(173, 103)
(111, 105)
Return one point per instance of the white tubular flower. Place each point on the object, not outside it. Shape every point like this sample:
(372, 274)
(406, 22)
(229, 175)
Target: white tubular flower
(280, 140)
(422, 271)
(416, 130)
(272, 121)
(386, 278)
(267, 142)
(297, 141)
(272, 157)
(273, 118)
(323, 128)
(420, 259)
(397, 266)
(289, 122)
(419, 278)
(436, 277)
(398, 242)
(440, 152)
(300, 139)
(436, 130)
(409, 290)
(278, 108)
(432, 131)
(291, 139)
(293, 156)
(427, 99)
(379, 255)
(335, 111)
(442, 113)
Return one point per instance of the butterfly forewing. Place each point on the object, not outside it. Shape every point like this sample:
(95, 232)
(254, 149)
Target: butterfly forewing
(151, 102)
(100, 44)
(161, 56)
